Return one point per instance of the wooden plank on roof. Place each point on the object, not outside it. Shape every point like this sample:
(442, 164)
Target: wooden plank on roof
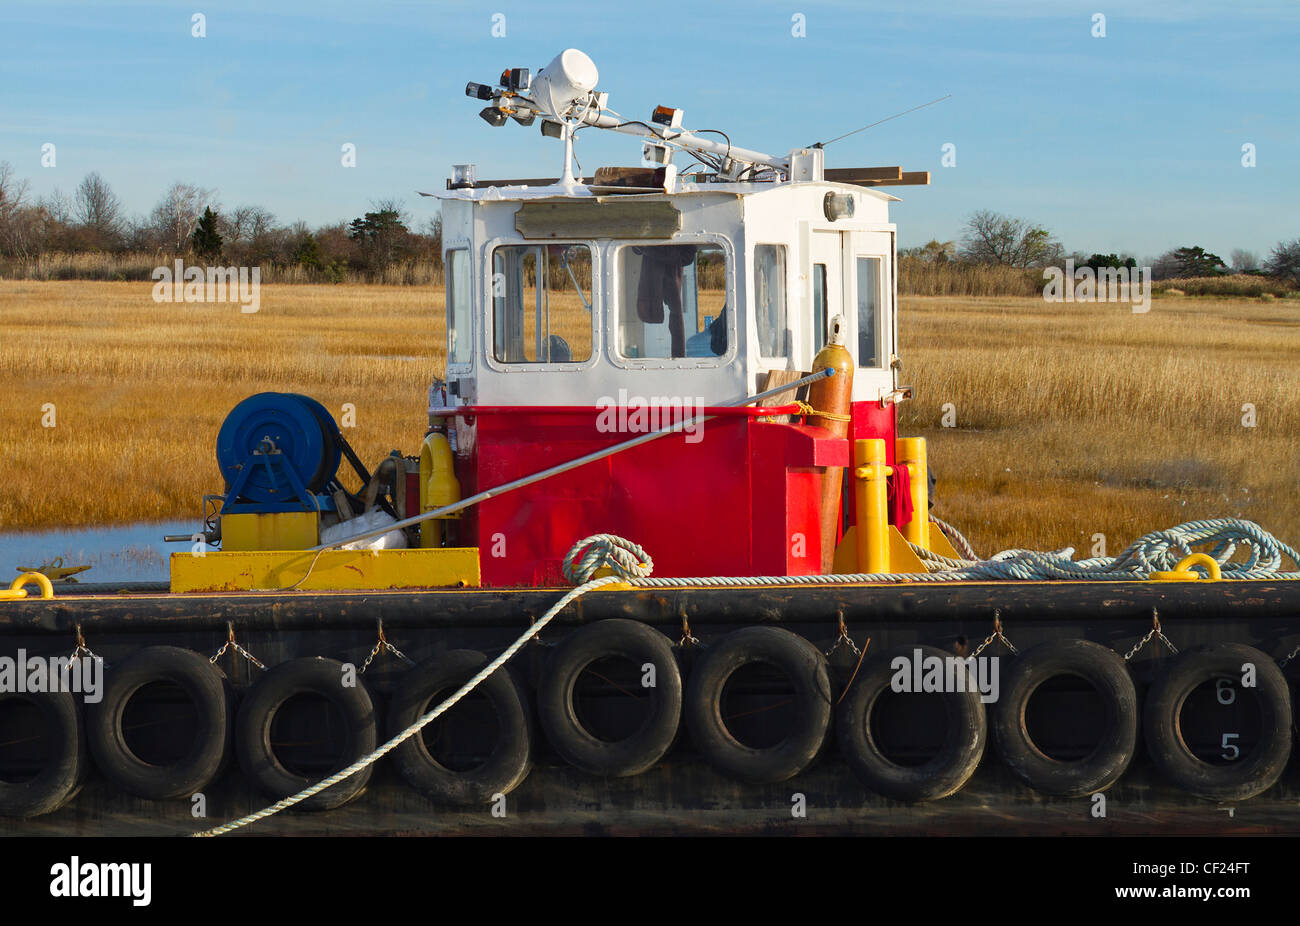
(608, 219)
(909, 178)
(651, 177)
(859, 174)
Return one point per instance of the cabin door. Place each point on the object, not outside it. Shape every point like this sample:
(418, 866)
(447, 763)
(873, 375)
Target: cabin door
(869, 285)
(826, 275)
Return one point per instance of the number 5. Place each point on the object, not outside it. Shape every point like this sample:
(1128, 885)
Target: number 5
(1236, 750)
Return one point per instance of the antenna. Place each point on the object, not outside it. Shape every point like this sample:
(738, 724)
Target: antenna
(823, 144)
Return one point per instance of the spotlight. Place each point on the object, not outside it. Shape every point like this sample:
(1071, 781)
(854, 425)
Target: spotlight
(516, 79)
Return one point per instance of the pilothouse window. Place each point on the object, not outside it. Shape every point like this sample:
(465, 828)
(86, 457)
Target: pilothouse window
(459, 338)
(769, 300)
(541, 303)
(868, 311)
(820, 329)
(672, 301)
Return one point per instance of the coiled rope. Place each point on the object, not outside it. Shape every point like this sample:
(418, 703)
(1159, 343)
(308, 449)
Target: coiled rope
(1156, 551)
(631, 564)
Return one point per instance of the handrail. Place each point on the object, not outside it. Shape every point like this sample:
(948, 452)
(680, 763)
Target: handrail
(472, 411)
(574, 464)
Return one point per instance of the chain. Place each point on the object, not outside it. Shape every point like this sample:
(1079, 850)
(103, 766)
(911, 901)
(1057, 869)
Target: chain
(849, 683)
(997, 634)
(1281, 663)
(230, 641)
(844, 638)
(1156, 632)
(81, 649)
(537, 638)
(688, 639)
(382, 643)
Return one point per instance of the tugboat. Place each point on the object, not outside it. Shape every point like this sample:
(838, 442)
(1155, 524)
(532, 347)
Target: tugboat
(661, 562)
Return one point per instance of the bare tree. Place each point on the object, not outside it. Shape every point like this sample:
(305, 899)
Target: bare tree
(235, 225)
(97, 210)
(1284, 262)
(932, 252)
(13, 193)
(178, 212)
(260, 222)
(29, 232)
(1244, 261)
(58, 206)
(247, 225)
(993, 238)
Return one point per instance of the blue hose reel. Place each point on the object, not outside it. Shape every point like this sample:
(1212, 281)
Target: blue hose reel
(277, 452)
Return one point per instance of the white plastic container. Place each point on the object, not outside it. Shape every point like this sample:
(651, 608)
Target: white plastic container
(374, 518)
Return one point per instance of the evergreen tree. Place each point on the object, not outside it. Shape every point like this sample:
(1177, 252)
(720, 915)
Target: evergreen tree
(206, 240)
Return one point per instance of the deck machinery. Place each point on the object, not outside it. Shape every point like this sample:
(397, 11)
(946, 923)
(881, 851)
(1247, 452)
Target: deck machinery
(701, 358)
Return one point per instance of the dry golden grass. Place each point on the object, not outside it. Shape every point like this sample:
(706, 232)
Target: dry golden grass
(1076, 419)
(1071, 419)
(140, 389)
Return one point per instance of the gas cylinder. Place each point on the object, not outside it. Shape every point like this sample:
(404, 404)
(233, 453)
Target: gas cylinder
(832, 397)
(438, 484)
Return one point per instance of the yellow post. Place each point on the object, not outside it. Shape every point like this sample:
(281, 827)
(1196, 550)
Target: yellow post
(910, 452)
(870, 495)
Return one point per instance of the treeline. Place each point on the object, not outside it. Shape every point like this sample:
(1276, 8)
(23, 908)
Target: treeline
(1003, 255)
(89, 235)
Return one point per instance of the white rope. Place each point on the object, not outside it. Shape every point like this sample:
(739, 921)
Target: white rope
(632, 565)
(627, 560)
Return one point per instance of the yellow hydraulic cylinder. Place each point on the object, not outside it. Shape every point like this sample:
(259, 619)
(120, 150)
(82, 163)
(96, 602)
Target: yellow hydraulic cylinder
(438, 484)
(870, 490)
(910, 452)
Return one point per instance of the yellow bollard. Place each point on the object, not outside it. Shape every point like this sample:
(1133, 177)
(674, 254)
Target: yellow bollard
(910, 452)
(870, 491)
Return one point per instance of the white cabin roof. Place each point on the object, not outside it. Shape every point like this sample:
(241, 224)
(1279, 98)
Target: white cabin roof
(681, 189)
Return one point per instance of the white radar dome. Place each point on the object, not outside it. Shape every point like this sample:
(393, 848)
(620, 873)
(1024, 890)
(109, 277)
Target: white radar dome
(568, 78)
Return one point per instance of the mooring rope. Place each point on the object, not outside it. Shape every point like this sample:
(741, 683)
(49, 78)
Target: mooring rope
(1157, 551)
(631, 565)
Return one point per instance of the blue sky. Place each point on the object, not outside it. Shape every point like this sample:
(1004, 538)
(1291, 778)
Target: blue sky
(1130, 142)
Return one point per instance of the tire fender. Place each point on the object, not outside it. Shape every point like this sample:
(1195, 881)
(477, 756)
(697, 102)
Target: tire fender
(1106, 672)
(210, 694)
(631, 640)
(806, 669)
(511, 757)
(65, 769)
(1255, 772)
(306, 675)
(943, 774)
